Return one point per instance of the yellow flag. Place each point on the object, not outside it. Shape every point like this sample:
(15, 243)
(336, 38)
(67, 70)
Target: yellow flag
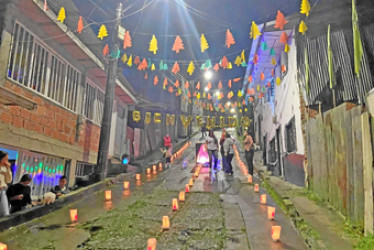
(129, 62)
(278, 81)
(61, 15)
(255, 32)
(191, 68)
(287, 48)
(302, 27)
(153, 67)
(153, 47)
(238, 61)
(203, 43)
(305, 7)
(124, 58)
(274, 61)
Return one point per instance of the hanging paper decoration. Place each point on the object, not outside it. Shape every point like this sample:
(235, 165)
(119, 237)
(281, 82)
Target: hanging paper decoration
(238, 61)
(255, 59)
(272, 52)
(124, 58)
(187, 85)
(224, 62)
(153, 47)
(244, 64)
(250, 79)
(204, 95)
(129, 62)
(198, 96)
(153, 67)
(262, 76)
(170, 89)
(237, 79)
(240, 94)
(242, 56)
(216, 67)
(220, 85)
(165, 82)
(283, 68)
(258, 87)
(176, 68)
(287, 48)
(188, 94)
(137, 60)
(229, 95)
(243, 102)
(106, 50)
(144, 64)
(278, 81)
(80, 25)
(229, 39)
(207, 65)
(284, 38)
(280, 21)
(203, 43)
(268, 85)
(264, 46)
(176, 84)
(274, 61)
(302, 27)
(209, 86)
(127, 43)
(103, 32)
(155, 80)
(198, 85)
(45, 8)
(178, 45)
(61, 15)
(115, 54)
(222, 95)
(194, 94)
(209, 97)
(248, 91)
(230, 66)
(305, 7)
(230, 83)
(255, 32)
(191, 68)
(146, 75)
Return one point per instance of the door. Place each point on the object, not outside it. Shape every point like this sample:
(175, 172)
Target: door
(279, 153)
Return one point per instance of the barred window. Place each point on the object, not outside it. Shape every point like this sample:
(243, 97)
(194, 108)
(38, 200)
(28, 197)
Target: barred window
(94, 103)
(33, 65)
(290, 135)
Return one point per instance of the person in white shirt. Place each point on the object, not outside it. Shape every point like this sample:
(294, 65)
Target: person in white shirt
(229, 153)
(212, 146)
(5, 178)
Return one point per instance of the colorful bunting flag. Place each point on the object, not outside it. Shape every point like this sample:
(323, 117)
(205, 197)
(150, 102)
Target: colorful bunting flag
(80, 25)
(305, 7)
(178, 45)
(153, 47)
(155, 80)
(229, 39)
(280, 21)
(191, 68)
(255, 32)
(302, 27)
(203, 43)
(103, 32)
(127, 43)
(61, 15)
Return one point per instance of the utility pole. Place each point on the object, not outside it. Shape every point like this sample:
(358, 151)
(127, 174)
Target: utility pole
(106, 123)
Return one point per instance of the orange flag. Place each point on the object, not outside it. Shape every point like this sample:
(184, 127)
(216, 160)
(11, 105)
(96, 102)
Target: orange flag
(209, 97)
(224, 62)
(229, 39)
(170, 89)
(127, 40)
(237, 79)
(178, 45)
(194, 94)
(176, 84)
(137, 60)
(220, 85)
(176, 68)
(216, 67)
(250, 78)
(230, 83)
(255, 59)
(80, 25)
(262, 77)
(209, 85)
(284, 38)
(106, 50)
(187, 85)
(155, 80)
(280, 21)
(198, 85)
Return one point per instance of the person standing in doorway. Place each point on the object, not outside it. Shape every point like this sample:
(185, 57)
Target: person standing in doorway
(5, 178)
(19, 194)
(228, 147)
(212, 146)
(249, 152)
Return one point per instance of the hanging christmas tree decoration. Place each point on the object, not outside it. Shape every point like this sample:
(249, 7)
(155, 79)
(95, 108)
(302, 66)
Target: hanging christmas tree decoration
(204, 95)
(146, 75)
(264, 46)
(165, 82)
(198, 96)
(244, 64)
(203, 43)
(144, 64)
(209, 97)
(198, 85)
(103, 32)
(230, 83)
(230, 66)
(229, 39)
(222, 96)
(258, 87)
(305, 7)
(188, 94)
(274, 61)
(229, 95)
(61, 15)
(106, 50)
(161, 67)
(124, 58)
(224, 62)
(155, 80)
(209, 86)
(283, 68)
(194, 94)
(176, 68)
(191, 68)
(262, 76)
(240, 94)
(80, 25)
(187, 85)
(220, 85)
(178, 45)
(255, 59)
(207, 65)
(238, 61)
(127, 43)
(302, 27)
(272, 52)
(137, 60)
(153, 67)
(278, 81)
(216, 67)
(280, 21)
(287, 48)
(237, 79)
(176, 84)
(45, 7)
(170, 89)
(284, 38)
(255, 32)
(153, 45)
(243, 103)
(129, 62)
(115, 54)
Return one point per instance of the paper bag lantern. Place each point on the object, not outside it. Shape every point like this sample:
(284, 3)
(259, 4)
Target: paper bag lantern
(154, 168)
(190, 183)
(263, 199)
(148, 170)
(151, 244)
(182, 196)
(250, 179)
(108, 195)
(257, 188)
(187, 188)
(160, 166)
(276, 232)
(73, 215)
(138, 177)
(3, 246)
(271, 213)
(165, 222)
(175, 205)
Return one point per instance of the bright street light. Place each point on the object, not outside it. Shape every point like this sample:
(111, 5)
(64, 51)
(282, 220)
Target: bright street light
(228, 103)
(206, 89)
(232, 110)
(208, 75)
(217, 93)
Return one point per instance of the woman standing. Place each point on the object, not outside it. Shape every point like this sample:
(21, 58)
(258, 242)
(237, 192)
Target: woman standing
(248, 147)
(221, 141)
(5, 178)
(229, 153)
(212, 146)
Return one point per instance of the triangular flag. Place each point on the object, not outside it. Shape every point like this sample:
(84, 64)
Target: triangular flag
(280, 21)
(194, 94)
(258, 87)
(170, 89)
(61, 15)
(255, 59)
(106, 50)
(137, 60)
(278, 81)
(144, 64)
(198, 85)
(103, 32)
(224, 62)
(191, 68)
(178, 45)
(272, 52)
(115, 54)
(127, 43)
(216, 67)
(203, 43)
(330, 58)
(238, 61)
(176, 68)
(209, 97)
(250, 78)
(129, 62)
(198, 96)
(255, 32)
(146, 75)
(165, 82)
(124, 58)
(237, 79)
(264, 46)
(222, 95)
(283, 68)
(176, 84)
(240, 93)
(80, 25)
(153, 47)
(262, 76)
(244, 64)
(230, 83)
(287, 48)
(229, 39)
(209, 86)
(242, 56)
(284, 38)
(230, 66)
(220, 85)
(204, 95)
(155, 80)
(274, 61)
(187, 85)
(188, 94)
(305, 7)
(302, 27)
(153, 67)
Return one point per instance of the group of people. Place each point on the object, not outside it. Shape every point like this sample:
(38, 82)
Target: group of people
(18, 195)
(226, 148)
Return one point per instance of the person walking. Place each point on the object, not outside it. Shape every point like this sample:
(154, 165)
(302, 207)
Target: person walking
(19, 195)
(229, 153)
(5, 178)
(212, 146)
(249, 152)
(167, 141)
(221, 141)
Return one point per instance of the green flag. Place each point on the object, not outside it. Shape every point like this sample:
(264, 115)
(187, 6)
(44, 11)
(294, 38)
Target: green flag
(357, 44)
(329, 55)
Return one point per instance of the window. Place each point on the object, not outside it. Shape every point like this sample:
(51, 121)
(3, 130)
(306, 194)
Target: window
(272, 152)
(290, 135)
(33, 65)
(94, 103)
(84, 169)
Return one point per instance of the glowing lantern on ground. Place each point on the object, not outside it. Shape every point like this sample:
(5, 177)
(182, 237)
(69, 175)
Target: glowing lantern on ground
(151, 244)
(187, 188)
(108, 195)
(182, 196)
(175, 205)
(271, 213)
(203, 155)
(148, 170)
(196, 173)
(126, 193)
(190, 183)
(126, 185)
(73, 215)
(257, 188)
(276, 232)
(250, 179)
(263, 199)
(154, 168)
(138, 177)
(3, 246)
(165, 222)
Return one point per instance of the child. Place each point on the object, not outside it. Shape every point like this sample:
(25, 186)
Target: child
(167, 154)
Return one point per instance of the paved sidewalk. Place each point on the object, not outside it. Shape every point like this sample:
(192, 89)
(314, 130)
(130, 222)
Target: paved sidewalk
(325, 223)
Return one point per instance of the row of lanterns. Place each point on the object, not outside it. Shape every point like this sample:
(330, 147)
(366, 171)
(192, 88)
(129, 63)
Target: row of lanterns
(275, 230)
